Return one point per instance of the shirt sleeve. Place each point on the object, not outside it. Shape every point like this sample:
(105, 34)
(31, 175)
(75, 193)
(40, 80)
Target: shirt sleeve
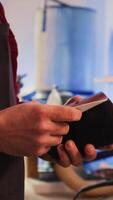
(13, 48)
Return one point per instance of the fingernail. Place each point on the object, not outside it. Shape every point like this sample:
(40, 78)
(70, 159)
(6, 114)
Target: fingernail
(68, 145)
(61, 147)
(60, 141)
(90, 150)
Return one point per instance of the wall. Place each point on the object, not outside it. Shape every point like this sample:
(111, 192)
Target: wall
(109, 46)
(100, 62)
(21, 15)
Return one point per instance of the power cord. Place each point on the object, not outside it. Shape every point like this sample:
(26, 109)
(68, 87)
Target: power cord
(94, 186)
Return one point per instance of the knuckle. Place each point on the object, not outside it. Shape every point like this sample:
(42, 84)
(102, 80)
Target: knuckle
(64, 164)
(79, 114)
(41, 111)
(38, 152)
(42, 126)
(41, 151)
(77, 163)
(75, 115)
(72, 116)
(39, 142)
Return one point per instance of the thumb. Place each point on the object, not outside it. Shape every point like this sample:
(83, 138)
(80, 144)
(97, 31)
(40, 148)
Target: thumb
(35, 102)
(74, 99)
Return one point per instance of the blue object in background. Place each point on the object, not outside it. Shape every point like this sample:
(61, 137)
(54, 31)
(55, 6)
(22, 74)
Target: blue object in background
(70, 33)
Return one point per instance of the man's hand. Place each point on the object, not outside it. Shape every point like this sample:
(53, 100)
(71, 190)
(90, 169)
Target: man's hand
(69, 154)
(32, 129)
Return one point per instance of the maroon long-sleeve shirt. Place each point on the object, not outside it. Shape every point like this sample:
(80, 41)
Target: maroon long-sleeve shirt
(11, 167)
(13, 46)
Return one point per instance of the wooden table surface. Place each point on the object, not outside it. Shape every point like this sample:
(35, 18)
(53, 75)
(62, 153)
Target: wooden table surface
(35, 190)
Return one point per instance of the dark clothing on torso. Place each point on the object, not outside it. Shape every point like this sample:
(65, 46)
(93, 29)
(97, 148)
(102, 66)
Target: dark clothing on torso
(11, 168)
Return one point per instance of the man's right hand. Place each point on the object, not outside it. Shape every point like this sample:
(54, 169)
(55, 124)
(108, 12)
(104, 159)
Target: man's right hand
(31, 128)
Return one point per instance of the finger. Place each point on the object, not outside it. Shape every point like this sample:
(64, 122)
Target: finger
(111, 146)
(41, 151)
(75, 99)
(35, 102)
(59, 128)
(107, 147)
(63, 157)
(64, 113)
(90, 152)
(52, 140)
(73, 153)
